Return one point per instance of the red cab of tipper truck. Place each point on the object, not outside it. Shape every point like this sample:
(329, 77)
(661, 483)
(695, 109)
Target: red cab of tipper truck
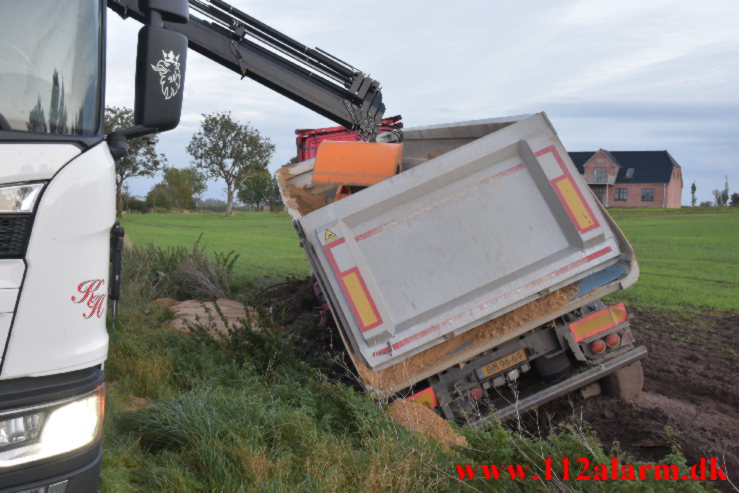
(308, 140)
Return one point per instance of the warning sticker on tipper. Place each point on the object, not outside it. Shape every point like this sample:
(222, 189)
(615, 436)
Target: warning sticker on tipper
(330, 235)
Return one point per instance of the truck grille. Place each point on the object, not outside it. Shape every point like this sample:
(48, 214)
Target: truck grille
(14, 232)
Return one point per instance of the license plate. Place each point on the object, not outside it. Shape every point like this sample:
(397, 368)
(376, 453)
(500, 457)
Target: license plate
(502, 364)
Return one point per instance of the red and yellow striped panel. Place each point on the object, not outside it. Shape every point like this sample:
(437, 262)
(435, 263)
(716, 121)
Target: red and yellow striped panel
(598, 321)
(575, 204)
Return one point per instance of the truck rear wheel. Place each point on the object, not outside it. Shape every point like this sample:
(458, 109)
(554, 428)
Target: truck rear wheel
(554, 368)
(625, 383)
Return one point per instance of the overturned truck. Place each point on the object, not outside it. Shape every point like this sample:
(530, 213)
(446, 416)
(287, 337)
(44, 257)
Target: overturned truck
(464, 265)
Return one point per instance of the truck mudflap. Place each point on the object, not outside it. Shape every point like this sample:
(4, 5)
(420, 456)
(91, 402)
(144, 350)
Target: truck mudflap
(574, 382)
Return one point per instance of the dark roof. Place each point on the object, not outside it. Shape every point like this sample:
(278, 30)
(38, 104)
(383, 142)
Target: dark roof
(580, 158)
(649, 166)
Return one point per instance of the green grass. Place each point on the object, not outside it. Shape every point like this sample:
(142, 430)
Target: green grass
(187, 413)
(689, 258)
(245, 414)
(266, 242)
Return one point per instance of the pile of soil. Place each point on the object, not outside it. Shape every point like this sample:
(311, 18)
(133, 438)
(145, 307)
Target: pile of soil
(690, 377)
(400, 373)
(204, 313)
(293, 306)
(419, 418)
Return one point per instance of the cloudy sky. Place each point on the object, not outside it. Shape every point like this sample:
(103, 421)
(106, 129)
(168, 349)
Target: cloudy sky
(627, 75)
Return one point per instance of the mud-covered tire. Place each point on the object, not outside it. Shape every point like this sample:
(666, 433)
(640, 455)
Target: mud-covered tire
(625, 383)
(553, 369)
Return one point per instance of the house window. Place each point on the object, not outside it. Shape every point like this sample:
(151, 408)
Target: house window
(599, 175)
(621, 194)
(630, 173)
(647, 194)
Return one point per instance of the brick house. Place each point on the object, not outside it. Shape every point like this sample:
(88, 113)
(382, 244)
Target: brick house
(632, 178)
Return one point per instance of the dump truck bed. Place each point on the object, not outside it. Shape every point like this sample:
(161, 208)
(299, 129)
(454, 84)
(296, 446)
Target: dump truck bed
(487, 217)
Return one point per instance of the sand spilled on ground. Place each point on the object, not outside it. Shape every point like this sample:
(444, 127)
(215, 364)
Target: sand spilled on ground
(398, 374)
(204, 313)
(417, 417)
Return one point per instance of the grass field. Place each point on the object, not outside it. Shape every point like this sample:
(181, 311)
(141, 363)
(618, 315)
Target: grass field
(193, 414)
(689, 258)
(266, 242)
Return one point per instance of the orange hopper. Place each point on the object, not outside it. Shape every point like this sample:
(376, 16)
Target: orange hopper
(356, 164)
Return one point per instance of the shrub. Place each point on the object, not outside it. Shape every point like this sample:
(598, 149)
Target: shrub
(151, 272)
(202, 278)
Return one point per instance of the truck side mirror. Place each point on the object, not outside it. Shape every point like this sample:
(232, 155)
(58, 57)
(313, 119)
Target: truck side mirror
(160, 74)
(160, 78)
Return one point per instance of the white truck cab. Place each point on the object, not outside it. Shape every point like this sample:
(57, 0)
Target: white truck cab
(57, 209)
(57, 193)
(56, 212)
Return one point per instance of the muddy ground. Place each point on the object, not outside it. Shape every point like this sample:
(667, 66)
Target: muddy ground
(690, 385)
(690, 398)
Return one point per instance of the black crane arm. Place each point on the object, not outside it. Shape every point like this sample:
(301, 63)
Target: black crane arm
(308, 76)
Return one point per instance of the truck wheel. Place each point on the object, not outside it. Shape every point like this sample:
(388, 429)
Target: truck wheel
(553, 369)
(625, 383)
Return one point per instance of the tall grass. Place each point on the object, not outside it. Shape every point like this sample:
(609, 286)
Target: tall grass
(151, 272)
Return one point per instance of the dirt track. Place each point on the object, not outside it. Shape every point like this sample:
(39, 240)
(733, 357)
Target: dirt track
(690, 385)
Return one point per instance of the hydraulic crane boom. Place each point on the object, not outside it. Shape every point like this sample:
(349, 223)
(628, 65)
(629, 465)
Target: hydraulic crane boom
(308, 76)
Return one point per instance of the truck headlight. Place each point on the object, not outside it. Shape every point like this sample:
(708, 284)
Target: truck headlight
(19, 198)
(47, 430)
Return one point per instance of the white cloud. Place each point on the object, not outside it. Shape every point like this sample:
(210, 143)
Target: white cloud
(622, 75)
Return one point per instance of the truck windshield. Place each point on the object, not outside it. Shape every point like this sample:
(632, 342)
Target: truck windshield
(50, 66)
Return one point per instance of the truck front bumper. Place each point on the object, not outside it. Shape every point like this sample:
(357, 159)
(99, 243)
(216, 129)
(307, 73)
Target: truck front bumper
(566, 386)
(46, 478)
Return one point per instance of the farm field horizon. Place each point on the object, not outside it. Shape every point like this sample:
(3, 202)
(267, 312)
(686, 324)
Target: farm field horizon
(688, 258)
(266, 242)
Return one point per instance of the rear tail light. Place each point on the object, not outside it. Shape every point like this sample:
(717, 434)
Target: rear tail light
(598, 346)
(476, 393)
(613, 340)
